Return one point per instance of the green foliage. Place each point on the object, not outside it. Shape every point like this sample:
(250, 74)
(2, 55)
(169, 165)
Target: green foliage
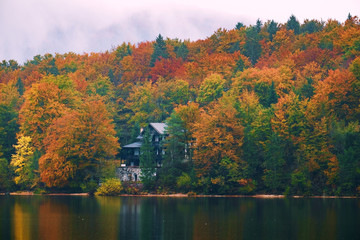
(111, 187)
(307, 90)
(181, 51)
(212, 88)
(239, 25)
(5, 176)
(266, 93)
(184, 182)
(92, 186)
(347, 145)
(300, 183)
(274, 162)
(122, 51)
(293, 24)
(311, 26)
(160, 50)
(20, 86)
(147, 162)
(176, 143)
(8, 129)
(252, 46)
(272, 28)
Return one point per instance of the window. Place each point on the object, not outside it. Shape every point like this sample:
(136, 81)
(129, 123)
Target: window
(136, 152)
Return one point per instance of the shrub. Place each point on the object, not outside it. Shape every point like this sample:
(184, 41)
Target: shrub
(110, 187)
(184, 182)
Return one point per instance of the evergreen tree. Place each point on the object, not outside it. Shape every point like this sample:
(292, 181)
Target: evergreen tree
(258, 25)
(147, 161)
(240, 66)
(8, 129)
(160, 50)
(252, 45)
(181, 51)
(175, 143)
(293, 24)
(272, 29)
(20, 86)
(239, 25)
(5, 175)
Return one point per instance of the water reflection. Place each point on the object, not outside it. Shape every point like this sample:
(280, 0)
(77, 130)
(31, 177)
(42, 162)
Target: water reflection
(65, 217)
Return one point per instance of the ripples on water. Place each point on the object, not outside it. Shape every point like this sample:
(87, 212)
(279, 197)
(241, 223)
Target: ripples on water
(77, 217)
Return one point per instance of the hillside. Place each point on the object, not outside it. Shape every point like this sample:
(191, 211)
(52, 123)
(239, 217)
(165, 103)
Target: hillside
(268, 108)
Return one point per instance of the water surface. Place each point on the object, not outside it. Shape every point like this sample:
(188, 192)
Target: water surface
(79, 217)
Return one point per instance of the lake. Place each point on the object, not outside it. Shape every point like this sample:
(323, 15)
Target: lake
(80, 217)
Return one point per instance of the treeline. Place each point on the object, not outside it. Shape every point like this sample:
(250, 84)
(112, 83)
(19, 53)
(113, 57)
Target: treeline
(270, 108)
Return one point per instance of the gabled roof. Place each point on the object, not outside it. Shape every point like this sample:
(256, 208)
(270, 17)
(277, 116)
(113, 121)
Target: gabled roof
(159, 127)
(133, 145)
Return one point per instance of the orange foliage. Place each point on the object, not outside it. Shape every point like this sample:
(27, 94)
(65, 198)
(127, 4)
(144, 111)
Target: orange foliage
(77, 143)
(218, 135)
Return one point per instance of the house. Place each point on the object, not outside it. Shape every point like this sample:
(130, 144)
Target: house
(129, 170)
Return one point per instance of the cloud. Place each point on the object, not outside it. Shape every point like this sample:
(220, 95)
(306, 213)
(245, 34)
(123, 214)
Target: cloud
(31, 27)
(39, 26)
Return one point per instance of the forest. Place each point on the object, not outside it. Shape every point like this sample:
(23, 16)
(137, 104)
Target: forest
(267, 108)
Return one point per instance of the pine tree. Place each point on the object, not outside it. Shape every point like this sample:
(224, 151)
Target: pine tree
(252, 45)
(160, 50)
(147, 161)
(272, 29)
(293, 24)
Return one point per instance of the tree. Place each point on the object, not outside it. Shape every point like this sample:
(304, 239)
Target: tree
(219, 137)
(346, 138)
(252, 46)
(272, 28)
(175, 143)
(160, 50)
(182, 51)
(258, 25)
(147, 162)
(211, 89)
(8, 129)
(239, 25)
(311, 26)
(78, 145)
(293, 24)
(23, 163)
(274, 164)
(5, 176)
(45, 102)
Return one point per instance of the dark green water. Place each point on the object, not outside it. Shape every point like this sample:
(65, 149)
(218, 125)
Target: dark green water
(75, 217)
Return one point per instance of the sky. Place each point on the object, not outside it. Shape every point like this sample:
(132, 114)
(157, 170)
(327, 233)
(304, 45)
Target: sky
(32, 27)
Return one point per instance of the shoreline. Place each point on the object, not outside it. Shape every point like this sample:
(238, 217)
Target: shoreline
(181, 195)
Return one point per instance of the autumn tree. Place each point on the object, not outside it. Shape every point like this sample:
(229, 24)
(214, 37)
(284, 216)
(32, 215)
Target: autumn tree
(77, 146)
(212, 88)
(45, 102)
(24, 163)
(217, 156)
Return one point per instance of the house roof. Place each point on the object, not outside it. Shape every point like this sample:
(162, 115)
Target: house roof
(159, 127)
(133, 145)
